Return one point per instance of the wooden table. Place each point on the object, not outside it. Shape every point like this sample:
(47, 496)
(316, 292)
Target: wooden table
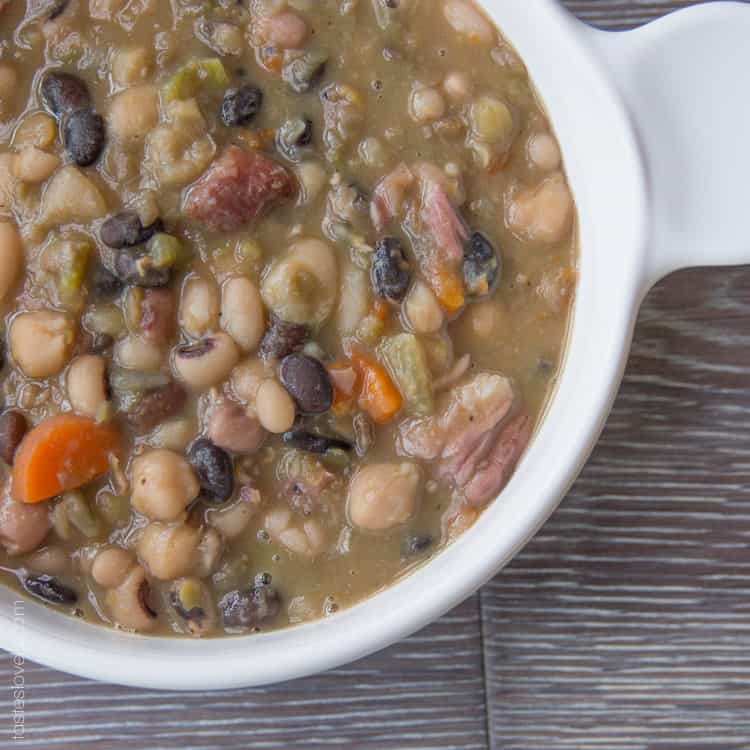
(624, 625)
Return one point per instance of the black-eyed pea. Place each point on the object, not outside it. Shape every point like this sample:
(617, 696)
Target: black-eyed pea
(129, 604)
(11, 257)
(275, 407)
(168, 551)
(41, 342)
(86, 383)
(206, 363)
(243, 316)
(164, 484)
(111, 566)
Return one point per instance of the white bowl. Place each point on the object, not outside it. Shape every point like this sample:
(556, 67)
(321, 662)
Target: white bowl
(656, 147)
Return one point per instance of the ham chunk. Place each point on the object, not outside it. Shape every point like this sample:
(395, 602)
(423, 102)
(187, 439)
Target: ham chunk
(470, 439)
(236, 189)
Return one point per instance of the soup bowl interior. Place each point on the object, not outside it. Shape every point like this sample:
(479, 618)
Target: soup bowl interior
(605, 171)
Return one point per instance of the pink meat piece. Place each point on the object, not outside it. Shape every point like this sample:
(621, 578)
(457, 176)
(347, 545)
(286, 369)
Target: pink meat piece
(445, 226)
(389, 195)
(492, 473)
(236, 189)
(470, 438)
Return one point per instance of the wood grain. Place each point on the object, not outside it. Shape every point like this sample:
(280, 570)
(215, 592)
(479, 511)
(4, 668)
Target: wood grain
(625, 625)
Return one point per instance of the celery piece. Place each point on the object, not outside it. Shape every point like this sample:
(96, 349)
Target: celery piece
(406, 361)
(165, 250)
(198, 74)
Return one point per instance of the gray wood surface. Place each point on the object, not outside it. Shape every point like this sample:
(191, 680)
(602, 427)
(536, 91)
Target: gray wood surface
(625, 625)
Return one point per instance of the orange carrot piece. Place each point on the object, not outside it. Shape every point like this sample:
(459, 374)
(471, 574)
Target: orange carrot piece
(60, 454)
(378, 396)
(449, 289)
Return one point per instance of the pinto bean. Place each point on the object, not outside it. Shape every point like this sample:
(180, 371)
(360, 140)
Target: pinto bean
(238, 187)
(23, 527)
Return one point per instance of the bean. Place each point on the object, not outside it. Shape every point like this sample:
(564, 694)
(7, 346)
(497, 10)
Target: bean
(426, 105)
(137, 353)
(275, 407)
(481, 266)
(206, 363)
(158, 315)
(422, 309)
(168, 551)
(13, 426)
(199, 306)
(111, 566)
(23, 527)
(251, 607)
(468, 20)
(243, 316)
(87, 386)
(129, 603)
(126, 230)
(293, 136)
(41, 342)
(310, 442)
(83, 136)
(384, 495)
(63, 93)
(230, 427)
(11, 257)
(164, 484)
(241, 105)
(134, 113)
(157, 405)
(104, 284)
(50, 590)
(282, 338)
(138, 269)
(214, 469)
(308, 383)
(305, 71)
(391, 273)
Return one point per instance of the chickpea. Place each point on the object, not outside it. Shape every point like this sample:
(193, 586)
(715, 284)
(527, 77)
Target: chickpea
(275, 407)
(468, 20)
(246, 379)
(134, 112)
(458, 87)
(32, 165)
(87, 384)
(199, 307)
(206, 363)
(131, 65)
(11, 258)
(382, 496)
(128, 603)
(426, 105)
(168, 551)
(543, 152)
(41, 342)
(164, 484)
(138, 353)
(422, 309)
(111, 566)
(243, 316)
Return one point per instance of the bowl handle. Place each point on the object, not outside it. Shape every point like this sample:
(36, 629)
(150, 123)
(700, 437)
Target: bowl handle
(686, 83)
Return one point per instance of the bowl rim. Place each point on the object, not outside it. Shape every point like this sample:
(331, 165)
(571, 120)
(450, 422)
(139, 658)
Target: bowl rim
(421, 596)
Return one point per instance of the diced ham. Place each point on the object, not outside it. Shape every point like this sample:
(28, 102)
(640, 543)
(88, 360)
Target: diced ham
(236, 189)
(389, 195)
(444, 224)
(230, 427)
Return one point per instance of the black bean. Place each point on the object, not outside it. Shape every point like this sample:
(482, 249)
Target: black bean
(83, 136)
(241, 105)
(250, 608)
(13, 427)
(311, 442)
(63, 93)
(50, 589)
(294, 135)
(214, 468)
(390, 273)
(104, 284)
(126, 230)
(416, 544)
(308, 382)
(156, 405)
(482, 266)
(282, 338)
(138, 269)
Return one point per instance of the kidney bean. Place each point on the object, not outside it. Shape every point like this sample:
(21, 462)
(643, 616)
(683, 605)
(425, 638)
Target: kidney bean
(157, 405)
(13, 427)
(308, 382)
(50, 589)
(214, 469)
(282, 338)
(83, 136)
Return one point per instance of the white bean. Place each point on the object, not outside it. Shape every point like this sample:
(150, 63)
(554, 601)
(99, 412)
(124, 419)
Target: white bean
(312, 178)
(384, 495)
(137, 353)
(134, 112)
(543, 152)
(246, 379)
(11, 258)
(41, 342)
(243, 316)
(86, 384)
(426, 105)
(164, 484)
(457, 86)
(207, 363)
(111, 566)
(275, 407)
(468, 20)
(126, 603)
(32, 165)
(544, 213)
(422, 309)
(199, 307)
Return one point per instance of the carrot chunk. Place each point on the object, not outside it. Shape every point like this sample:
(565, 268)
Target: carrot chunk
(378, 395)
(60, 454)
